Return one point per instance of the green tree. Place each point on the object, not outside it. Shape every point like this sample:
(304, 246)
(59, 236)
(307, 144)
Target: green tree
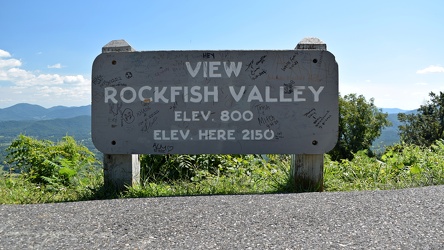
(425, 126)
(360, 123)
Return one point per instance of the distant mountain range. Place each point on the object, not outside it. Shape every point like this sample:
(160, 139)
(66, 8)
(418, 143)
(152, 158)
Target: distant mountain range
(31, 112)
(79, 126)
(394, 110)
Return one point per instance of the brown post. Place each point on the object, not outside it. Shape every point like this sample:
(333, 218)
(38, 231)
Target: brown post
(307, 170)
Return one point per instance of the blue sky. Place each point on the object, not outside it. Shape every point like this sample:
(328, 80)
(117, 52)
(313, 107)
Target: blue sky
(391, 51)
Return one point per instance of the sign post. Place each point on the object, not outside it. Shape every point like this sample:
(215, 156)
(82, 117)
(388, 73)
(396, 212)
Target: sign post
(215, 102)
(307, 170)
(120, 170)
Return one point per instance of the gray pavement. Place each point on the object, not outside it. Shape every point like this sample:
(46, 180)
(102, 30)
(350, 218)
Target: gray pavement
(398, 219)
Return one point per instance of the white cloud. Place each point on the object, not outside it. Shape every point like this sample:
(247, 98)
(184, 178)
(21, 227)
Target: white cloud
(4, 53)
(9, 63)
(35, 86)
(74, 79)
(15, 75)
(431, 69)
(55, 66)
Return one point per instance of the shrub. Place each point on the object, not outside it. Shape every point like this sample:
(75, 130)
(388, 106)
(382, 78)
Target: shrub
(401, 166)
(46, 162)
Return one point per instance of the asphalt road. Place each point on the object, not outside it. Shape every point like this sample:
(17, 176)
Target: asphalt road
(399, 219)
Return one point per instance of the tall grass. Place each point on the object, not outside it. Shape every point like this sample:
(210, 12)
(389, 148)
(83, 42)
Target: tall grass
(14, 189)
(249, 174)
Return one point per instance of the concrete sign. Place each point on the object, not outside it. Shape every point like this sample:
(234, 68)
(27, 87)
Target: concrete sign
(217, 102)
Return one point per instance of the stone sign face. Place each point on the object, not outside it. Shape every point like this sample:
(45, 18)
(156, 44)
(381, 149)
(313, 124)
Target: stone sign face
(215, 102)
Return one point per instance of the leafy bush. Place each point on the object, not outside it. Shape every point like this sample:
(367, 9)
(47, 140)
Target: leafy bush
(46, 162)
(401, 166)
(422, 165)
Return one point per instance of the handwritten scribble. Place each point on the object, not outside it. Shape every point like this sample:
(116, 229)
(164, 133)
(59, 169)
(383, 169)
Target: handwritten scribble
(101, 82)
(266, 118)
(159, 148)
(174, 106)
(148, 121)
(290, 63)
(208, 55)
(128, 116)
(268, 121)
(115, 108)
(144, 110)
(97, 79)
(319, 120)
(288, 87)
(262, 108)
(255, 68)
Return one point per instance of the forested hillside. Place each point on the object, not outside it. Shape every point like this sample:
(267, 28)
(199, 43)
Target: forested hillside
(390, 135)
